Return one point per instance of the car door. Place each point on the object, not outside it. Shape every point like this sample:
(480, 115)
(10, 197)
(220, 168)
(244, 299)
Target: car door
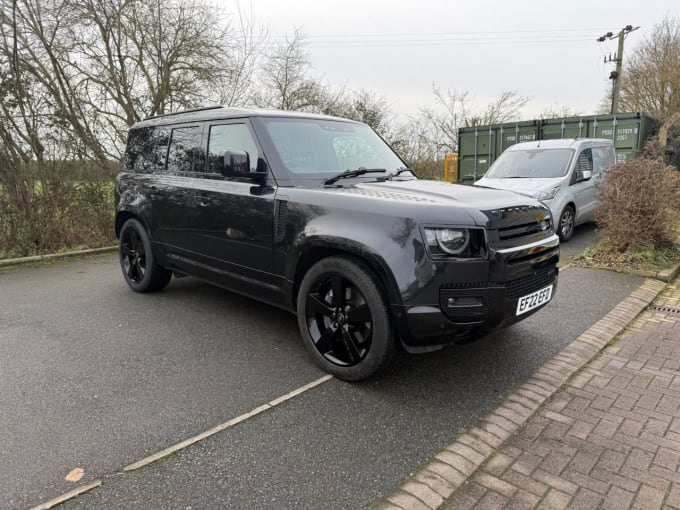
(235, 227)
(176, 158)
(584, 189)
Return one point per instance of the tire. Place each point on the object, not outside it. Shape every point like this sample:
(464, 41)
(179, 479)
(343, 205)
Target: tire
(348, 333)
(565, 228)
(140, 270)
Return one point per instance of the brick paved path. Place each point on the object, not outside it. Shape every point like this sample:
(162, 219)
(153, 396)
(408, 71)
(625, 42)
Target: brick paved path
(610, 438)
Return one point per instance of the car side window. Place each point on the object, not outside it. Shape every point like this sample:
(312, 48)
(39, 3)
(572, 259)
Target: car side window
(147, 149)
(230, 137)
(603, 159)
(184, 145)
(584, 161)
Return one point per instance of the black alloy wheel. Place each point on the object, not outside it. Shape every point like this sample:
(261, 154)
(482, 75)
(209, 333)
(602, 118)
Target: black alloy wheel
(140, 270)
(343, 319)
(133, 257)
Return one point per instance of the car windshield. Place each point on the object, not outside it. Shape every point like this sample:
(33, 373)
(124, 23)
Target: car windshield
(537, 163)
(319, 149)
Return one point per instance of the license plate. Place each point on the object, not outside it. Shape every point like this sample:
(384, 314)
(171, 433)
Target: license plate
(534, 300)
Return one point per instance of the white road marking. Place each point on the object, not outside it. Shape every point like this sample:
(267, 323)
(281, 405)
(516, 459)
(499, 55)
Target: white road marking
(67, 495)
(222, 426)
(187, 442)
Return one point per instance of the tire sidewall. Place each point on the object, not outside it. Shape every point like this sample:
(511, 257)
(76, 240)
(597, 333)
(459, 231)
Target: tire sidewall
(382, 346)
(144, 284)
(562, 237)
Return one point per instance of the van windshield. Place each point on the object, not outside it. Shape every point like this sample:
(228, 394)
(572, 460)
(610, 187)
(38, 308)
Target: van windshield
(536, 163)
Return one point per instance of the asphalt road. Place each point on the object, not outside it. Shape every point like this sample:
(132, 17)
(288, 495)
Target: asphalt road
(94, 376)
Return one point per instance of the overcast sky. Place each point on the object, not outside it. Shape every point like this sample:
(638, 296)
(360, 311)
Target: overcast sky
(543, 49)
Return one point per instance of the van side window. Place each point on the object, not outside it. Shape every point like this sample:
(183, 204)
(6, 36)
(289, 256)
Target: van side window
(184, 144)
(603, 159)
(584, 161)
(230, 137)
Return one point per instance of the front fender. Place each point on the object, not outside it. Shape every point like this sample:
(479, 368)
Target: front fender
(391, 247)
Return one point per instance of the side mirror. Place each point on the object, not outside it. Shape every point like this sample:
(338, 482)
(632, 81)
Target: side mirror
(585, 175)
(233, 162)
(237, 164)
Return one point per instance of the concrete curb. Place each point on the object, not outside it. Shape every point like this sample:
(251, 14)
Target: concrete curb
(665, 275)
(440, 477)
(55, 256)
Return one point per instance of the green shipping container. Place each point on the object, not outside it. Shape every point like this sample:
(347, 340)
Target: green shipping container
(479, 146)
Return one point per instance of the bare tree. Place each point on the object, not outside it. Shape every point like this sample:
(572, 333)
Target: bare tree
(651, 75)
(505, 108)
(451, 110)
(556, 111)
(455, 109)
(245, 52)
(74, 75)
(362, 105)
(286, 80)
(105, 64)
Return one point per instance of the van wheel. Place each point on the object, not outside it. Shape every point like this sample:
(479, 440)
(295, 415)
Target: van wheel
(343, 319)
(140, 270)
(565, 228)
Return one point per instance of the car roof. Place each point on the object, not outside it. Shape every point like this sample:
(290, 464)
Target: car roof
(221, 112)
(561, 143)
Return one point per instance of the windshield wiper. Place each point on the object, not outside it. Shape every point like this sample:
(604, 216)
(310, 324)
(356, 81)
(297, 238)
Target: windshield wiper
(352, 173)
(401, 171)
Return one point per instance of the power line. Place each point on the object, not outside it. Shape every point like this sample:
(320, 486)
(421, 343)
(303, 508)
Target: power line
(440, 34)
(452, 41)
(546, 36)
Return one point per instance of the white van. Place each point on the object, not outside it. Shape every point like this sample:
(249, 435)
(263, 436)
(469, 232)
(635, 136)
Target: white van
(560, 173)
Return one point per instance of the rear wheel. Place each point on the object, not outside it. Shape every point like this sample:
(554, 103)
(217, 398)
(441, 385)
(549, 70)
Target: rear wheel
(344, 320)
(140, 270)
(565, 228)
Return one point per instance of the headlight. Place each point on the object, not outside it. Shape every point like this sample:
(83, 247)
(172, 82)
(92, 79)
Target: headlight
(548, 194)
(449, 240)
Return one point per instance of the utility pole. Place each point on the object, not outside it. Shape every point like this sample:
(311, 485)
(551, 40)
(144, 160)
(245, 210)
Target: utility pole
(615, 76)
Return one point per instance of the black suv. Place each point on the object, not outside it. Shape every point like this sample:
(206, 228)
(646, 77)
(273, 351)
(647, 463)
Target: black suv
(319, 216)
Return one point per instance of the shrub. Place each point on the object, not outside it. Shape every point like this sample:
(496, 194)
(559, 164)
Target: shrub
(45, 210)
(639, 205)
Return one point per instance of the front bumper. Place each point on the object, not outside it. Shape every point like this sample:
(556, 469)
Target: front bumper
(473, 308)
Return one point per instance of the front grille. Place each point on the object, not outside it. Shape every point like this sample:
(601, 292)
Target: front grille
(525, 229)
(513, 288)
(528, 284)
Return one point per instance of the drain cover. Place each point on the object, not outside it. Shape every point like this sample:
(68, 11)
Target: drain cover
(665, 309)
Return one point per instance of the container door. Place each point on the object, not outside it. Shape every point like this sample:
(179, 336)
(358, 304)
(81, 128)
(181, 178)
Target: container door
(476, 153)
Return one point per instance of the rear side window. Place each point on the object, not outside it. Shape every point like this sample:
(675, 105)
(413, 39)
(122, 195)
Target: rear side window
(183, 151)
(230, 137)
(146, 150)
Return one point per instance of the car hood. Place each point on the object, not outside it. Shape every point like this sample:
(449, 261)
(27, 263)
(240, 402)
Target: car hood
(487, 207)
(520, 185)
(441, 192)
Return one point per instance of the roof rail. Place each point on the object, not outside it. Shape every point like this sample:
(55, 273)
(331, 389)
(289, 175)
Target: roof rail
(184, 111)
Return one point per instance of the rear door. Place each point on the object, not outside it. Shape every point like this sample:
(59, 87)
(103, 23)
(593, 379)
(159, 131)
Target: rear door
(171, 189)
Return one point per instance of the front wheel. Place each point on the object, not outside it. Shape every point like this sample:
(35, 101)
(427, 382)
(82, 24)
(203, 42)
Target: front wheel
(140, 269)
(565, 228)
(343, 319)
